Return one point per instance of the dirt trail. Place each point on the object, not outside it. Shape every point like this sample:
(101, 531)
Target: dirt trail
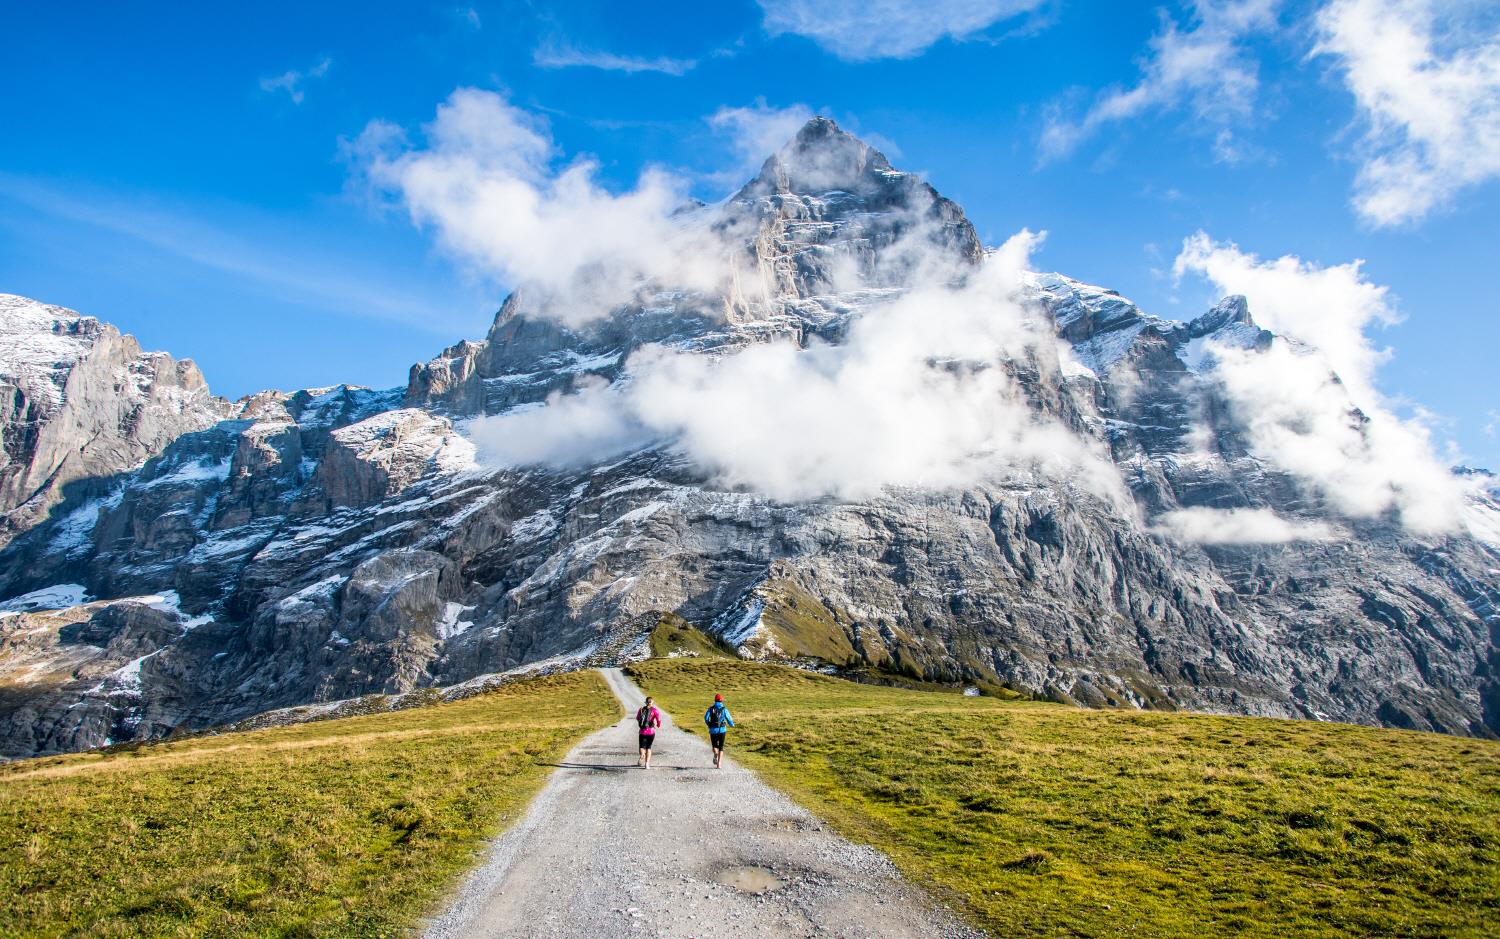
(682, 851)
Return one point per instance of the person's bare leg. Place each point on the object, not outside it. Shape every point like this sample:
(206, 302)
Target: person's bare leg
(640, 759)
(647, 751)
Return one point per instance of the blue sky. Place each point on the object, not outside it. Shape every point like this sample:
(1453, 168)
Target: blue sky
(188, 173)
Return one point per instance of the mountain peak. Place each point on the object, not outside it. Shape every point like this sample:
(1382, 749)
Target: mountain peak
(824, 133)
(824, 157)
(1233, 310)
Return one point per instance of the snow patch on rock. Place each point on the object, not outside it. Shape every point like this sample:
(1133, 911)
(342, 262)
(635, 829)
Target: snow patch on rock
(198, 471)
(56, 597)
(40, 344)
(451, 623)
(1482, 518)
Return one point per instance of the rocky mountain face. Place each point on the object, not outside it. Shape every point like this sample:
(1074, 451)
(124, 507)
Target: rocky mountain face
(295, 550)
(83, 404)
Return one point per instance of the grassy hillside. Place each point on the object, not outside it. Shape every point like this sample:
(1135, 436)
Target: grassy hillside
(351, 827)
(1045, 820)
(675, 637)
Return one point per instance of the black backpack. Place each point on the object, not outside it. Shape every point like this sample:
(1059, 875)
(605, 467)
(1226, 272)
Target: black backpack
(643, 717)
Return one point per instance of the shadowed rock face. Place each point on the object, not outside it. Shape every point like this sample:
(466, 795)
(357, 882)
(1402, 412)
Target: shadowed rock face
(305, 548)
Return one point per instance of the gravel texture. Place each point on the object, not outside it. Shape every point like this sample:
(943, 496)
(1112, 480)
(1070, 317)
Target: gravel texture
(680, 850)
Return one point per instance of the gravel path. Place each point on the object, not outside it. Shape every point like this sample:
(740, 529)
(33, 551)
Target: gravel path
(681, 850)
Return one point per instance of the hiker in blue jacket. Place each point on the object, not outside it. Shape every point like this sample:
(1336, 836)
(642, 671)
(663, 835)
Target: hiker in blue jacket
(718, 720)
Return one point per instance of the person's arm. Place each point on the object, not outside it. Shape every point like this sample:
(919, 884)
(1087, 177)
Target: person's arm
(729, 717)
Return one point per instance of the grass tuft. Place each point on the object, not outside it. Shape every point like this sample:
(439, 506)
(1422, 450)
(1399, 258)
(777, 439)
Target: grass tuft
(1032, 862)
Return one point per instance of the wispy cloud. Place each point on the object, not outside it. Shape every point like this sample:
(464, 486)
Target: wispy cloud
(561, 55)
(1200, 525)
(1425, 75)
(1309, 403)
(860, 30)
(756, 132)
(338, 285)
(293, 81)
(470, 16)
(1202, 64)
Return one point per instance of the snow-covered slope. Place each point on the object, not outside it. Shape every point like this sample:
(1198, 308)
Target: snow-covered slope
(39, 345)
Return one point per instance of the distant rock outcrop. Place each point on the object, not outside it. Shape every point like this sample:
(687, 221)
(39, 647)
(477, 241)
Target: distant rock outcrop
(381, 455)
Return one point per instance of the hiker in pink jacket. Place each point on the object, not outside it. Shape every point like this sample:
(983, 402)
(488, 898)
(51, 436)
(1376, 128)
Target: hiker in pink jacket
(648, 718)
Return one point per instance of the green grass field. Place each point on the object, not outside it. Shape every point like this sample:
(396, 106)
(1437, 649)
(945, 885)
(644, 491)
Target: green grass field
(1044, 820)
(349, 827)
(674, 637)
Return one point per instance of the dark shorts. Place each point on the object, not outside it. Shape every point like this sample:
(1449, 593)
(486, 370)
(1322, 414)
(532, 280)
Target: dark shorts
(717, 739)
(647, 740)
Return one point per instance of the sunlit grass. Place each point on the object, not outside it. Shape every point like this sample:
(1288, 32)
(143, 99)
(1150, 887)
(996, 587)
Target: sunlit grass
(1044, 820)
(674, 638)
(350, 827)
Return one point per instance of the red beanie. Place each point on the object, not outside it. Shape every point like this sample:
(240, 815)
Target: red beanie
(718, 697)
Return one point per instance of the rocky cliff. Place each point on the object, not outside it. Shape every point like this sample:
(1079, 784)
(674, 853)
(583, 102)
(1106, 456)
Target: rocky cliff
(83, 403)
(305, 548)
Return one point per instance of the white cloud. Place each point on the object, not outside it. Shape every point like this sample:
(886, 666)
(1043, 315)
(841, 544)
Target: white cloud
(1204, 65)
(1329, 308)
(1425, 75)
(553, 55)
(1364, 462)
(918, 395)
(591, 424)
(486, 179)
(293, 80)
(758, 131)
(859, 30)
(1238, 527)
(1309, 405)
